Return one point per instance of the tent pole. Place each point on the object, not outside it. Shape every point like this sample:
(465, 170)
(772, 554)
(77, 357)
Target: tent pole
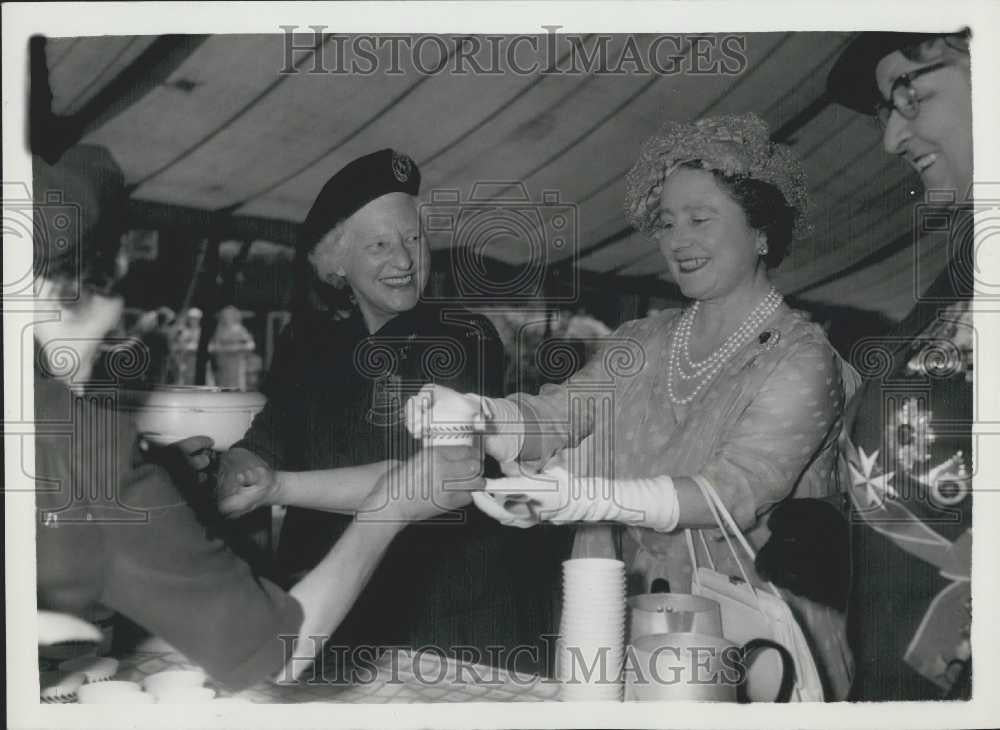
(211, 308)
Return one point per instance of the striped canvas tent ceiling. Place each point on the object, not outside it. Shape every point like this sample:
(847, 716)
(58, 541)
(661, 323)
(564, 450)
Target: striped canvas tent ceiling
(210, 124)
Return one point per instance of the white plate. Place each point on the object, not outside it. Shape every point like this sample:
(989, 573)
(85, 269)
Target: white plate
(113, 693)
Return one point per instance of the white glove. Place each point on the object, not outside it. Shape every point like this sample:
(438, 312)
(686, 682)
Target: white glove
(437, 410)
(555, 496)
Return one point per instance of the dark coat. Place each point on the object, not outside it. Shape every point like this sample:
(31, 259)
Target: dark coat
(335, 399)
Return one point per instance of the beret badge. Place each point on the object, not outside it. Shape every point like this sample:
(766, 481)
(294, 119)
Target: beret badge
(402, 166)
(355, 185)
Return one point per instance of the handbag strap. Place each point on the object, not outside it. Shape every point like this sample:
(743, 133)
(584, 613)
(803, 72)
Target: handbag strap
(725, 519)
(694, 558)
(718, 508)
(713, 498)
(708, 553)
(707, 492)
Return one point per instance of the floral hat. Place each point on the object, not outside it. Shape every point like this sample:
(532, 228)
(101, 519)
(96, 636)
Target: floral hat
(737, 145)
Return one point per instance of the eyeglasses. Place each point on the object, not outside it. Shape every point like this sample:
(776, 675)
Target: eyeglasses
(903, 97)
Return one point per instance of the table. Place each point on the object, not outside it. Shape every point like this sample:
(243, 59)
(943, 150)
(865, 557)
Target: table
(401, 676)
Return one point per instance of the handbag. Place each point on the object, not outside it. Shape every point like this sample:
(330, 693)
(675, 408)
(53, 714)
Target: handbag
(750, 613)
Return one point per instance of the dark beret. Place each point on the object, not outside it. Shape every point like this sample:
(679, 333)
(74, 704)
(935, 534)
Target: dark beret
(357, 184)
(79, 215)
(851, 81)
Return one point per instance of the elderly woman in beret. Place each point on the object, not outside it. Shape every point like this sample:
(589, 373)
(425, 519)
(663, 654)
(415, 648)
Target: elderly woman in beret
(114, 529)
(342, 370)
(735, 387)
(911, 428)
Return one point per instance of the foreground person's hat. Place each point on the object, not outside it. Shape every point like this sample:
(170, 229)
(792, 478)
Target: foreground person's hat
(79, 214)
(737, 145)
(354, 186)
(851, 81)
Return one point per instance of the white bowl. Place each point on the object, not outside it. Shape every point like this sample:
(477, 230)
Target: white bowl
(167, 414)
(173, 679)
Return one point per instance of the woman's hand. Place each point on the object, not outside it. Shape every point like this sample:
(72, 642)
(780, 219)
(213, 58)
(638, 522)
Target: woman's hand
(197, 451)
(232, 463)
(244, 483)
(258, 486)
(436, 407)
(556, 496)
(437, 410)
(186, 460)
(524, 500)
(435, 480)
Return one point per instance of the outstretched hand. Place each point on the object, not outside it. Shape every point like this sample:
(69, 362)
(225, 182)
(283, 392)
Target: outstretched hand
(197, 450)
(256, 486)
(436, 408)
(524, 500)
(244, 482)
(187, 460)
(433, 481)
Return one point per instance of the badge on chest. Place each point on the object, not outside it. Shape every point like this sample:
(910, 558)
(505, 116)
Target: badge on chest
(398, 367)
(388, 400)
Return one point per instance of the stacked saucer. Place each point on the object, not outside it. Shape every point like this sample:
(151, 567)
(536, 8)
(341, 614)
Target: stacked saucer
(592, 633)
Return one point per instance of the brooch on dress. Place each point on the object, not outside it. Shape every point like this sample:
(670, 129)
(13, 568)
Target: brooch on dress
(766, 340)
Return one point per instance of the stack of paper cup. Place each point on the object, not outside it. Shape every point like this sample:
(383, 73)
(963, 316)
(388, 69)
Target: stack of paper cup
(592, 634)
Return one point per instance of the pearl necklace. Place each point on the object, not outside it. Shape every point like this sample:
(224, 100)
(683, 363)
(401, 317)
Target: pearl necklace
(706, 370)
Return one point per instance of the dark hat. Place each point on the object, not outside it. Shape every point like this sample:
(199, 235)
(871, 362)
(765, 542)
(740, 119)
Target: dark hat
(357, 184)
(851, 81)
(79, 215)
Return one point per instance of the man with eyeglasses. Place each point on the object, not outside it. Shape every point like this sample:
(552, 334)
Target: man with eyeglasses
(910, 445)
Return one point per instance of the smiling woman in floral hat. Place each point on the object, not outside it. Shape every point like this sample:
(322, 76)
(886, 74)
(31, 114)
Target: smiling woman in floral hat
(735, 387)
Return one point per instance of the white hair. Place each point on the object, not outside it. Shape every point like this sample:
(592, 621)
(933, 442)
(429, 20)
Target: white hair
(333, 245)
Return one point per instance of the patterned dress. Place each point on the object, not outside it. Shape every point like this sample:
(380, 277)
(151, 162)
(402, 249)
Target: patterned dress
(764, 430)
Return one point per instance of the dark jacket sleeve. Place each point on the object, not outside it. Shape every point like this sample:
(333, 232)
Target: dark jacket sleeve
(268, 433)
(167, 576)
(485, 360)
(125, 537)
(496, 361)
